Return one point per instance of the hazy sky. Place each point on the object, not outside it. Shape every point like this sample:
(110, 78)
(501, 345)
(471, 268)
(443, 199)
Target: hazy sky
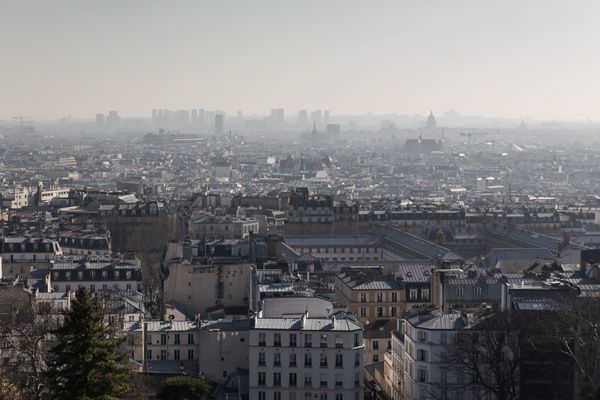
(511, 58)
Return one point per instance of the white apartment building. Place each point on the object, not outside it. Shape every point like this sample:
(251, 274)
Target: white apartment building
(304, 358)
(416, 367)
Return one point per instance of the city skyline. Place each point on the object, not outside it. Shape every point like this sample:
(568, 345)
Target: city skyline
(504, 59)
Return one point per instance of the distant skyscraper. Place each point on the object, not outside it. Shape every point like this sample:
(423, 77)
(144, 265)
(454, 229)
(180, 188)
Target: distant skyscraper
(194, 117)
(100, 122)
(219, 124)
(277, 117)
(326, 118)
(201, 117)
(317, 118)
(154, 116)
(182, 117)
(113, 122)
(302, 118)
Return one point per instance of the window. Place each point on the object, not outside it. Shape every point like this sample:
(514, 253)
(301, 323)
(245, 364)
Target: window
(293, 379)
(356, 343)
(357, 359)
(163, 339)
(339, 396)
(339, 341)
(277, 340)
(262, 396)
(394, 297)
(261, 359)
(380, 311)
(363, 297)
(177, 339)
(262, 378)
(277, 359)
(393, 311)
(190, 354)
(363, 311)
(262, 339)
(422, 336)
(163, 354)
(276, 378)
(477, 291)
(413, 294)
(308, 380)
(421, 355)
(375, 358)
(425, 294)
(443, 337)
(80, 275)
(276, 395)
(92, 288)
(379, 297)
(149, 354)
(460, 291)
(308, 340)
(292, 359)
(292, 396)
(67, 288)
(323, 340)
(176, 355)
(339, 360)
(338, 380)
(292, 340)
(323, 360)
(323, 380)
(307, 360)
(375, 345)
(422, 375)
(190, 338)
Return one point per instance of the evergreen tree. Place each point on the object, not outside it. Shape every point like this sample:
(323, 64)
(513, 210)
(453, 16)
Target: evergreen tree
(86, 364)
(184, 388)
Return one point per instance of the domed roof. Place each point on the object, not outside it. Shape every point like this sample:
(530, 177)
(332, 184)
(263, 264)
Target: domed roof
(431, 122)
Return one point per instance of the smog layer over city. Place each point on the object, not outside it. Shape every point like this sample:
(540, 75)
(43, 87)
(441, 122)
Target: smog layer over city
(310, 200)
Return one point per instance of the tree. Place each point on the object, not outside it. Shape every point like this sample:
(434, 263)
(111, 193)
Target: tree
(24, 328)
(85, 363)
(577, 328)
(489, 355)
(184, 388)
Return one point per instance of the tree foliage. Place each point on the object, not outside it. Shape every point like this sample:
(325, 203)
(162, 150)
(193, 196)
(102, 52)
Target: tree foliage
(184, 388)
(85, 363)
(24, 329)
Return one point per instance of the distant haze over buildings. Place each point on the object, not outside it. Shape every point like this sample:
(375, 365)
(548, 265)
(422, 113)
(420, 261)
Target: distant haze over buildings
(509, 58)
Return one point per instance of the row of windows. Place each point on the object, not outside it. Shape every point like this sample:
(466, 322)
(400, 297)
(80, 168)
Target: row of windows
(308, 381)
(308, 360)
(165, 339)
(92, 275)
(309, 396)
(92, 288)
(380, 312)
(308, 340)
(413, 294)
(333, 250)
(380, 296)
(476, 291)
(165, 355)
